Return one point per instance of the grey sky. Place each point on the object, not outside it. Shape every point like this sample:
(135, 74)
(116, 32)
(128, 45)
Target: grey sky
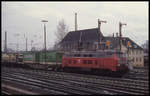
(25, 18)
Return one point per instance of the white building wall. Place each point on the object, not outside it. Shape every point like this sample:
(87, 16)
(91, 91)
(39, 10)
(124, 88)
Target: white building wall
(135, 54)
(138, 56)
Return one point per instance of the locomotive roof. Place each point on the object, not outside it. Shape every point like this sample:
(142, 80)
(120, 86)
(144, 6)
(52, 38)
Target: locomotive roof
(93, 52)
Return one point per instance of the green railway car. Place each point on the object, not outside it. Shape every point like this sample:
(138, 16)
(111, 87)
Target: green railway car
(50, 57)
(29, 57)
(39, 57)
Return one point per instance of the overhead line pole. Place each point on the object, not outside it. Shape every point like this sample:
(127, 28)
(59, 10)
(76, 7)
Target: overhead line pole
(45, 37)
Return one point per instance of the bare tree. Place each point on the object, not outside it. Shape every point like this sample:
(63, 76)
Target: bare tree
(10, 50)
(62, 30)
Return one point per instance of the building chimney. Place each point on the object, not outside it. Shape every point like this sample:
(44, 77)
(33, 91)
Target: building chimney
(116, 34)
(5, 48)
(75, 21)
(113, 34)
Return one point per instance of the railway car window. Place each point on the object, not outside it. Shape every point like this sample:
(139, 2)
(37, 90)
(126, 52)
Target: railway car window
(84, 61)
(89, 62)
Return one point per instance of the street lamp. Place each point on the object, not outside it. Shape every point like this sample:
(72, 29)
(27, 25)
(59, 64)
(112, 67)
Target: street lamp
(45, 37)
(17, 35)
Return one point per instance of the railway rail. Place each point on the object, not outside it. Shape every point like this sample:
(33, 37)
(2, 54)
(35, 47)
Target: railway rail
(55, 85)
(86, 82)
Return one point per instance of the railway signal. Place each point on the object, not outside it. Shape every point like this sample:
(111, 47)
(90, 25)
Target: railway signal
(99, 30)
(120, 26)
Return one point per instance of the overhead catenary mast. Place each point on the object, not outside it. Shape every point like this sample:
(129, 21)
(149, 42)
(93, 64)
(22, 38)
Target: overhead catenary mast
(26, 44)
(75, 21)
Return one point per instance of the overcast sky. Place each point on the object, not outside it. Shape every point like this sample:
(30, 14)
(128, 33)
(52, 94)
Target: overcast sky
(25, 18)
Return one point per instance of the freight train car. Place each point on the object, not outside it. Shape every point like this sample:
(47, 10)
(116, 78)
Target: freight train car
(12, 59)
(38, 60)
(5, 57)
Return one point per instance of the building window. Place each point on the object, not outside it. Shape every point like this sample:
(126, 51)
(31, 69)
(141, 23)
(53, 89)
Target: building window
(134, 59)
(140, 59)
(137, 59)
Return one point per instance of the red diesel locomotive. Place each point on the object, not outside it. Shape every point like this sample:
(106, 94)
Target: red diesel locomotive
(104, 60)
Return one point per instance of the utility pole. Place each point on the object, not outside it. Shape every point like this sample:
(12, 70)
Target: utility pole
(31, 44)
(75, 21)
(99, 31)
(5, 48)
(120, 27)
(45, 37)
(17, 45)
(26, 42)
(26, 45)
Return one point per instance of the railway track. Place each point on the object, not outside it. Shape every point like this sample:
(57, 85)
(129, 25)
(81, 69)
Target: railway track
(8, 89)
(75, 82)
(61, 86)
(111, 85)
